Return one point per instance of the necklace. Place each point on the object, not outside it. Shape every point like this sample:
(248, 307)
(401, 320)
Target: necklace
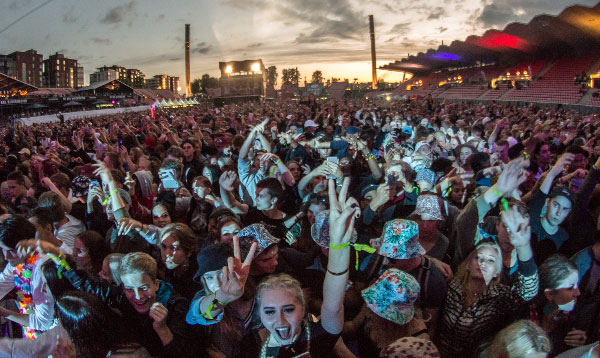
(23, 277)
(263, 351)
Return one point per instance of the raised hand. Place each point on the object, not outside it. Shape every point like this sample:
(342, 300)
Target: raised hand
(103, 172)
(342, 213)
(512, 176)
(517, 227)
(127, 224)
(235, 274)
(564, 160)
(227, 180)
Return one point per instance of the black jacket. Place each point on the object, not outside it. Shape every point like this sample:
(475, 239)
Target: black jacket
(188, 341)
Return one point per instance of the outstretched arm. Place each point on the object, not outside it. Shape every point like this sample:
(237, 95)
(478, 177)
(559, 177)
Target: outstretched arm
(342, 213)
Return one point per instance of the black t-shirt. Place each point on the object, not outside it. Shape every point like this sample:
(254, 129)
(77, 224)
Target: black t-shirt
(275, 226)
(543, 244)
(321, 345)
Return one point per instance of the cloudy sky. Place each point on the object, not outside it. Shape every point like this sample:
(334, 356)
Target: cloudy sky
(328, 35)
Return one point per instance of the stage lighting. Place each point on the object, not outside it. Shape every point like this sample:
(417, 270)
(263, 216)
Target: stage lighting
(256, 67)
(228, 69)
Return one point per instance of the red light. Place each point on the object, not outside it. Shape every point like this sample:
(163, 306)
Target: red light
(496, 40)
(152, 112)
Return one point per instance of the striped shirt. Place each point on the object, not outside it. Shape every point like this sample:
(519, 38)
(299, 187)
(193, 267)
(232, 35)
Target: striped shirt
(463, 328)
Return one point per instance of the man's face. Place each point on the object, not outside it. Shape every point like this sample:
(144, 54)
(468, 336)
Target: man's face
(160, 216)
(140, 291)
(10, 255)
(188, 150)
(557, 210)
(14, 189)
(264, 200)
(579, 162)
(267, 261)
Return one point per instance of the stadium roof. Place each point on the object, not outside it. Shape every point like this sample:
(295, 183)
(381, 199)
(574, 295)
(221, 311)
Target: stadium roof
(108, 84)
(10, 84)
(575, 28)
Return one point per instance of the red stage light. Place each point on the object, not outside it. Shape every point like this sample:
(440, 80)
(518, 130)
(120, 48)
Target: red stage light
(496, 40)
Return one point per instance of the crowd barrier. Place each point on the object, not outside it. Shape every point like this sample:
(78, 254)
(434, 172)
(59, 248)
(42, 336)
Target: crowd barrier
(81, 114)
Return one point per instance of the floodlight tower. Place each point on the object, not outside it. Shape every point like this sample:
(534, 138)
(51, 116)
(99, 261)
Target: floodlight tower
(373, 62)
(188, 91)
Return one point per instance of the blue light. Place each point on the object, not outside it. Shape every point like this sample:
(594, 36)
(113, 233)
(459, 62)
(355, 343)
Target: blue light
(445, 56)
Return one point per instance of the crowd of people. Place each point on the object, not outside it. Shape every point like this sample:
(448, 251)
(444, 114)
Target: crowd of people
(363, 229)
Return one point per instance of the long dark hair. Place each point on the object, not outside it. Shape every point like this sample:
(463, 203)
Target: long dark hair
(96, 248)
(90, 324)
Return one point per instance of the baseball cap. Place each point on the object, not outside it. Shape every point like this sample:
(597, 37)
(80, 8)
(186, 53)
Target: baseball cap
(407, 130)
(310, 123)
(562, 191)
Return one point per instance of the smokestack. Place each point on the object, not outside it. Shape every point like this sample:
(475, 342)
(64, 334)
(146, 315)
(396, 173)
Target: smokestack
(373, 60)
(188, 91)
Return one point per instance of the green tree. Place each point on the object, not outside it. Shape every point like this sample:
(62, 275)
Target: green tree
(317, 77)
(196, 86)
(290, 75)
(272, 74)
(208, 82)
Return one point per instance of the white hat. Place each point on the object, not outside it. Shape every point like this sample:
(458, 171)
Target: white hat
(310, 123)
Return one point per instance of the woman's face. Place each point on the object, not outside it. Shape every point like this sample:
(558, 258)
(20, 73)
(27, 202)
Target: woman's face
(484, 265)
(566, 291)
(212, 280)
(81, 256)
(266, 262)
(172, 254)
(295, 170)
(228, 231)
(281, 313)
(160, 216)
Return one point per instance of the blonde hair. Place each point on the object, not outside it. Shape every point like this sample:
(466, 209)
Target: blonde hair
(278, 282)
(520, 339)
(138, 262)
(463, 275)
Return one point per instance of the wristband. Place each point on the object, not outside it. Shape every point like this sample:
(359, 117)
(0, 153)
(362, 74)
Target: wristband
(108, 197)
(278, 161)
(62, 263)
(340, 246)
(338, 273)
(496, 191)
(504, 204)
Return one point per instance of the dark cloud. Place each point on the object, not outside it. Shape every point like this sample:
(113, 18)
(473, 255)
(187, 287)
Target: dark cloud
(436, 13)
(202, 48)
(100, 41)
(327, 20)
(255, 45)
(160, 17)
(16, 4)
(401, 29)
(117, 14)
(442, 29)
(496, 15)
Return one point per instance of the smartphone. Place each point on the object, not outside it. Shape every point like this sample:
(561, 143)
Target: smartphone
(167, 177)
(94, 182)
(334, 160)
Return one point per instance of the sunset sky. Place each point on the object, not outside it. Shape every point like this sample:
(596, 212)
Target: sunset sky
(328, 35)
